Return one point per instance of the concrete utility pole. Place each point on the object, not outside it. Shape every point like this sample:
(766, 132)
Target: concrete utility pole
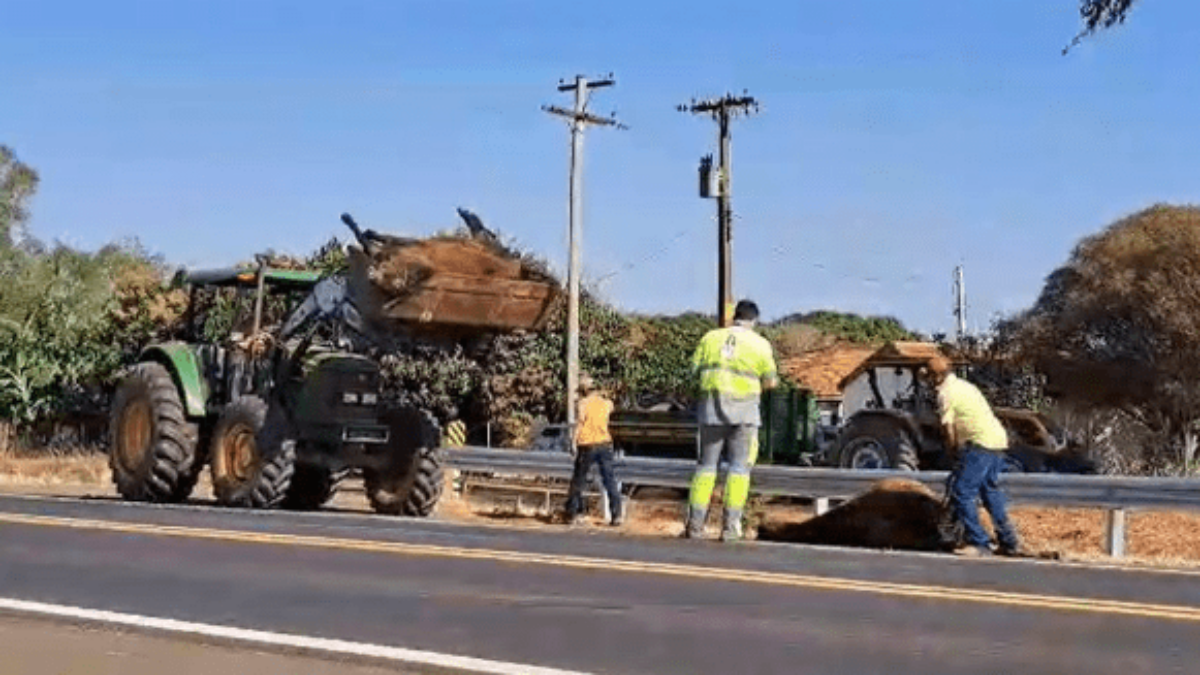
(579, 118)
(960, 305)
(723, 110)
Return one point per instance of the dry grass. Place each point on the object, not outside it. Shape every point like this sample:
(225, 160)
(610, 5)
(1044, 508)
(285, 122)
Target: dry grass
(56, 466)
(8, 438)
(53, 468)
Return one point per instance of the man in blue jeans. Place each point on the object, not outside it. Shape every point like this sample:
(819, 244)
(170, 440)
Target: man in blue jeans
(593, 444)
(972, 429)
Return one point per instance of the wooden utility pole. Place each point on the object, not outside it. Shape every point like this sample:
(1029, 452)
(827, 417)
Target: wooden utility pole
(960, 306)
(723, 110)
(580, 118)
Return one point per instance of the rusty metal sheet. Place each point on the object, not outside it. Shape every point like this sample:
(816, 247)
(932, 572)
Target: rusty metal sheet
(451, 299)
(438, 298)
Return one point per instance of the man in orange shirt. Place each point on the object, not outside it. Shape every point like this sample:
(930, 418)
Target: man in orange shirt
(593, 444)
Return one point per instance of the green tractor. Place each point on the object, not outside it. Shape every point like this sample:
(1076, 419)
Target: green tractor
(277, 388)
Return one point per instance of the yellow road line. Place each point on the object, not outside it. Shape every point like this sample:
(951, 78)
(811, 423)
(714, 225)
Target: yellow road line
(947, 593)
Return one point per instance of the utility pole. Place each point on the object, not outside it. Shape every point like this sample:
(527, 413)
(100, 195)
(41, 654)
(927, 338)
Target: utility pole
(960, 305)
(723, 110)
(580, 118)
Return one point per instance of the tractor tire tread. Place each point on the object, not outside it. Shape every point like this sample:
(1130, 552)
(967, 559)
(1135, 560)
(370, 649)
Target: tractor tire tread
(412, 489)
(172, 450)
(268, 487)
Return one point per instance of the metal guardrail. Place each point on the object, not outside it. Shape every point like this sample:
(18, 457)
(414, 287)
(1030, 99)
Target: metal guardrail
(1113, 493)
(1046, 489)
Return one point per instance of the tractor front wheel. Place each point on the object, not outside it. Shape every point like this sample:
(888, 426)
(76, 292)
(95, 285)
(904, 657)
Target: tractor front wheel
(252, 459)
(411, 481)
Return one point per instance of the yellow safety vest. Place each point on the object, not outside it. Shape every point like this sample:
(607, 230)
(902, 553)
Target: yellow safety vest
(731, 364)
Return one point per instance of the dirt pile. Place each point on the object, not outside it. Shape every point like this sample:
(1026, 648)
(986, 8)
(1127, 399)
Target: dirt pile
(397, 268)
(895, 514)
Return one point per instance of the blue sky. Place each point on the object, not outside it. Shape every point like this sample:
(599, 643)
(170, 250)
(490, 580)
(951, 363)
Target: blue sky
(896, 140)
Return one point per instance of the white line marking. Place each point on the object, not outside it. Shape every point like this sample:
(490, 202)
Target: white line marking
(258, 637)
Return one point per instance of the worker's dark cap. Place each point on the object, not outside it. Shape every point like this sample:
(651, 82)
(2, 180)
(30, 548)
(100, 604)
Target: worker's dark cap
(746, 310)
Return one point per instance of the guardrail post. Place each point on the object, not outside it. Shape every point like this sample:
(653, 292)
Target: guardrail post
(821, 506)
(1114, 533)
(604, 505)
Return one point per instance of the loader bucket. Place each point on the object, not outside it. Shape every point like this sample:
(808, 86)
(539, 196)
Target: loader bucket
(449, 283)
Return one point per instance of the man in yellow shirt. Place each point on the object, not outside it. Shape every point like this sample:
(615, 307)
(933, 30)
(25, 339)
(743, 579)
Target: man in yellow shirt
(972, 430)
(593, 445)
(733, 365)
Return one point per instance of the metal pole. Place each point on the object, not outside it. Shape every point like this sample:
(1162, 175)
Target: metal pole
(574, 237)
(258, 295)
(1114, 533)
(960, 307)
(725, 230)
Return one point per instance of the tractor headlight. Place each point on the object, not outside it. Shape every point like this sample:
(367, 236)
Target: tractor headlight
(370, 398)
(349, 398)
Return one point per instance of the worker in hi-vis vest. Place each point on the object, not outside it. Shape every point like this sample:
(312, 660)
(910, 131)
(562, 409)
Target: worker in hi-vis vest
(733, 365)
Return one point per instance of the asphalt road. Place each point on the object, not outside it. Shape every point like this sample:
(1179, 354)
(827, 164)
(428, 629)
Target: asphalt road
(595, 601)
(37, 647)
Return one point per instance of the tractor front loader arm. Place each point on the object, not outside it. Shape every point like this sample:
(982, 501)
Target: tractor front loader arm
(329, 301)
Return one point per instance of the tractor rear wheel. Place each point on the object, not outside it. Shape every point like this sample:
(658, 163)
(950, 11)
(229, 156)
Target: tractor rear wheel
(189, 478)
(873, 443)
(411, 481)
(252, 458)
(152, 443)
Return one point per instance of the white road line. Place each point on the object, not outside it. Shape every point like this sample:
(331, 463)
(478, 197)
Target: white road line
(258, 637)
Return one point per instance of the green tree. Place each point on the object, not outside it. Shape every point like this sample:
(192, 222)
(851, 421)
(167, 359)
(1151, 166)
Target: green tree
(662, 356)
(846, 326)
(68, 319)
(18, 183)
(1099, 15)
(57, 327)
(1118, 326)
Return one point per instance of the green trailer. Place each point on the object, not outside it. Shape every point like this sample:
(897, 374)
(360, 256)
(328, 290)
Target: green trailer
(787, 435)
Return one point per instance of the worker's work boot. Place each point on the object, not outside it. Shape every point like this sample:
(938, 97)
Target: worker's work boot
(969, 551)
(1015, 550)
(695, 523)
(732, 529)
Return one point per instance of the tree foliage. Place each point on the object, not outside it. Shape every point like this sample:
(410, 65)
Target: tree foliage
(851, 327)
(18, 183)
(515, 379)
(1100, 15)
(1118, 325)
(660, 365)
(68, 320)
